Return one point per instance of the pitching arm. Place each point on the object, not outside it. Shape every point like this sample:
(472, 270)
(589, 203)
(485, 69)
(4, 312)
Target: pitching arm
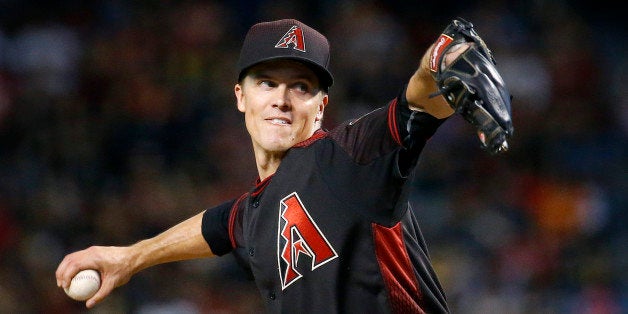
(117, 265)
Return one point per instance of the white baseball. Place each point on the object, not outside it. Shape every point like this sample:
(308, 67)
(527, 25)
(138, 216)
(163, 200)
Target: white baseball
(84, 285)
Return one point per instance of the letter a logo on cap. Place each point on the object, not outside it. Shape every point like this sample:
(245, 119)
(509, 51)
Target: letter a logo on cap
(293, 37)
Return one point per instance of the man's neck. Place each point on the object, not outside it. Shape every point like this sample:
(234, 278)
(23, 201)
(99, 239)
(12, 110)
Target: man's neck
(267, 163)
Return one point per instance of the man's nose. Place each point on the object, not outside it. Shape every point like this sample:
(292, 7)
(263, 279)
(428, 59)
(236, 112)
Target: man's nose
(282, 97)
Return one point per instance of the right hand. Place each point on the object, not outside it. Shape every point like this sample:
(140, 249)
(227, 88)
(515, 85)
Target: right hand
(113, 264)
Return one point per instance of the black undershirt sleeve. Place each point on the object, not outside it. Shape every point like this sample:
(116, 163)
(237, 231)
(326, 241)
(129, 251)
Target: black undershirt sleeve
(215, 228)
(415, 126)
(415, 129)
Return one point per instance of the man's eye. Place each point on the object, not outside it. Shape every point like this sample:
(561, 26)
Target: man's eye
(267, 83)
(301, 87)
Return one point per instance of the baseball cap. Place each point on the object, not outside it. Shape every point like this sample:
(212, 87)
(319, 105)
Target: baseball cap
(286, 39)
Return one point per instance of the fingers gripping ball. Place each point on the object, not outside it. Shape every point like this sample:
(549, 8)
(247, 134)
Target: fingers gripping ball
(472, 85)
(84, 285)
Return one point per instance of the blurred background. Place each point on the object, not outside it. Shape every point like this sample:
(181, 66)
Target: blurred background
(118, 120)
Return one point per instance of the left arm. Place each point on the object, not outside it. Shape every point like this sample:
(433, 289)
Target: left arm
(464, 75)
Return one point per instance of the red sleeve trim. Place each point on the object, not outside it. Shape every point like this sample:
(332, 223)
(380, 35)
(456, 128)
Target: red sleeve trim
(392, 121)
(404, 294)
(232, 219)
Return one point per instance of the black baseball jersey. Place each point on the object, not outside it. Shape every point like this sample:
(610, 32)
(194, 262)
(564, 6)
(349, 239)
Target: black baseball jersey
(332, 230)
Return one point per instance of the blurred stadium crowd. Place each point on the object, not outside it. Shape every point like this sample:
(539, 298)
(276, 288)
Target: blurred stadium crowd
(117, 120)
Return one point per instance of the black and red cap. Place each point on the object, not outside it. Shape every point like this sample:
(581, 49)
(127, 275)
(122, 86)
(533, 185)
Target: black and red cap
(286, 39)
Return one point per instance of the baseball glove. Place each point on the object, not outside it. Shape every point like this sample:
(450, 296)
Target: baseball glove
(472, 86)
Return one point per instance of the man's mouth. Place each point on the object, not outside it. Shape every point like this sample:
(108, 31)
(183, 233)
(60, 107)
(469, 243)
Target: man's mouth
(278, 121)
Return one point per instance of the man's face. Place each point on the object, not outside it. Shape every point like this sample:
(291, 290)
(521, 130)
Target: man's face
(282, 104)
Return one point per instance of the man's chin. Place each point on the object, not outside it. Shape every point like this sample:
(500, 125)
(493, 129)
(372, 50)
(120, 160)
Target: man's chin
(278, 146)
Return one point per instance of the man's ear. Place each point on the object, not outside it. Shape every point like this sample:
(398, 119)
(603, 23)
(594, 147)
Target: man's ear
(239, 93)
(321, 108)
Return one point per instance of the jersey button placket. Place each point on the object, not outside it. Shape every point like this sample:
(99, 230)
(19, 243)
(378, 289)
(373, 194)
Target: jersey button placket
(271, 295)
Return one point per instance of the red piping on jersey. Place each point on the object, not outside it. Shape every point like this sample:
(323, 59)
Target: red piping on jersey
(404, 295)
(318, 134)
(261, 185)
(232, 217)
(392, 121)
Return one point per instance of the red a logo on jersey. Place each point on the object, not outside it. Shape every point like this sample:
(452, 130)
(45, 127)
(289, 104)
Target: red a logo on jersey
(299, 234)
(295, 37)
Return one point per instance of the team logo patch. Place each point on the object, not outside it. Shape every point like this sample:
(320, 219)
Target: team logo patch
(298, 234)
(294, 38)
